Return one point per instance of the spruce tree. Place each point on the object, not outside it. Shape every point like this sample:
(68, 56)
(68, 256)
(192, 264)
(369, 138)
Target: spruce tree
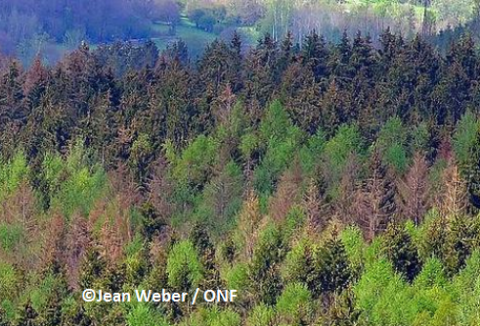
(402, 252)
(375, 205)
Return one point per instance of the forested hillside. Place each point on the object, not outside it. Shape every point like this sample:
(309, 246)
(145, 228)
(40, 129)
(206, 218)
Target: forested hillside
(328, 183)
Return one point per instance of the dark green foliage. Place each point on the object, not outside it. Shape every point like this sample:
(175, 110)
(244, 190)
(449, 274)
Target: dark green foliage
(206, 250)
(329, 270)
(402, 252)
(263, 272)
(342, 312)
(93, 267)
(153, 224)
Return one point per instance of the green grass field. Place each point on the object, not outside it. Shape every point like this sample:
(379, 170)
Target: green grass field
(196, 38)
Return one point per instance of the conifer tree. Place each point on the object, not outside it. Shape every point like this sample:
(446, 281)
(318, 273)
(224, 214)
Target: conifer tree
(206, 249)
(264, 274)
(236, 62)
(286, 55)
(414, 190)
(215, 71)
(313, 207)
(28, 316)
(401, 251)
(334, 107)
(453, 200)
(301, 93)
(328, 270)
(315, 55)
(374, 202)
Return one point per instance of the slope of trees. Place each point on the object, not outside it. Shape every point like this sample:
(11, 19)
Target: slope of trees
(330, 184)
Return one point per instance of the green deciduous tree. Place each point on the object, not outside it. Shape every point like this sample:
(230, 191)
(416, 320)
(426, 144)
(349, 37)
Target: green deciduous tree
(184, 268)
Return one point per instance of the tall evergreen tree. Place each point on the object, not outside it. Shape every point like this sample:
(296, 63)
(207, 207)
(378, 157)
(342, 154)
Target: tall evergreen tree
(374, 202)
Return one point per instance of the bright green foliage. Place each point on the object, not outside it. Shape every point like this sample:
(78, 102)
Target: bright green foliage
(237, 277)
(466, 142)
(448, 240)
(262, 315)
(381, 295)
(293, 306)
(213, 317)
(339, 150)
(12, 174)
(53, 168)
(466, 286)
(40, 296)
(248, 144)
(193, 166)
(431, 294)
(141, 154)
(352, 240)
(345, 142)
(295, 219)
(10, 236)
(143, 315)
(222, 198)
(374, 251)
(280, 140)
(431, 275)
(311, 153)
(225, 317)
(9, 281)
(295, 265)
(82, 184)
(183, 266)
(236, 124)
(135, 261)
(391, 142)
(275, 122)
(385, 299)
(7, 311)
(78, 193)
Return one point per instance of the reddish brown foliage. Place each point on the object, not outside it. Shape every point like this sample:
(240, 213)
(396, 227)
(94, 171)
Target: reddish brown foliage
(248, 223)
(288, 193)
(53, 249)
(160, 189)
(315, 208)
(76, 244)
(344, 204)
(414, 190)
(374, 201)
(223, 105)
(452, 200)
(35, 75)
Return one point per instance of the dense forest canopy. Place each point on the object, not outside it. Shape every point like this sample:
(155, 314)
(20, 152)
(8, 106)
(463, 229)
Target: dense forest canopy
(53, 27)
(329, 183)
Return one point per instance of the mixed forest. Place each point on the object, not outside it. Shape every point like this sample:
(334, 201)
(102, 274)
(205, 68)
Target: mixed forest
(52, 28)
(329, 183)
